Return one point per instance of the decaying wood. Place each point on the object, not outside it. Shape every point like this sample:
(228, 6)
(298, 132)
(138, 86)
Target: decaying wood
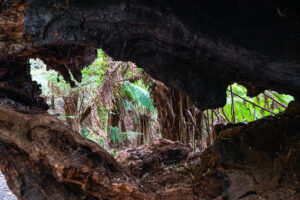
(197, 47)
(251, 160)
(43, 159)
(200, 51)
(147, 158)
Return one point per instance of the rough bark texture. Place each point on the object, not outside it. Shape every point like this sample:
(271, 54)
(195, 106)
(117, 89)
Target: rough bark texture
(12, 38)
(43, 159)
(198, 47)
(16, 85)
(151, 157)
(179, 119)
(256, 161)
(162, 168)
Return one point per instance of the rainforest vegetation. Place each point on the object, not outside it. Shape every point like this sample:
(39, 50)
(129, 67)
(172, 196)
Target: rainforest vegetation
(179, 103)
(118, 105)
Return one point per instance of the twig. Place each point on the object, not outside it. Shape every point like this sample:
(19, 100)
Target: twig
(220, 118)
(85, 114)
(271, 97)
(254, 103)
(212, 127)
(207, 126)
(190, 114)
(225, 115)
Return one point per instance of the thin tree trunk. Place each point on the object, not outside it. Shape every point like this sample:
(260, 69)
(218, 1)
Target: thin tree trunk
(70, 107)
(212, 138)
(200, 137)
(207, 128)
(232, 105)
(52, 102)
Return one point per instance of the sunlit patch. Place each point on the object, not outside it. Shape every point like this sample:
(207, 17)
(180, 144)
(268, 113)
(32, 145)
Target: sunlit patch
(111, 106)
(246, 109)
(240, 108)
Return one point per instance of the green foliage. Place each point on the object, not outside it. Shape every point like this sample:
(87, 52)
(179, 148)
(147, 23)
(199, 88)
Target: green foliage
(116, 136)
(97, 139)
(94, 74)
(246, 111)
(119, 137)
(132, 134)
(138, 95)
(103, 115)
(92, 77)
(54, 84)
(84, 132)
(114, 152)
(139, 100)
(41, 75)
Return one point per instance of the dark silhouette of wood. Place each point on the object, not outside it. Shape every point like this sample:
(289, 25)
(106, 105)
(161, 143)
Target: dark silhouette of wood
(197, 47)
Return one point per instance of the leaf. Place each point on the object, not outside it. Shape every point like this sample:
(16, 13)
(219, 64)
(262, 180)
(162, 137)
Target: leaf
(138, 95)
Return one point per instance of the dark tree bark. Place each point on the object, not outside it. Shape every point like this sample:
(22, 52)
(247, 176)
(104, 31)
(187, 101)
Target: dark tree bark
(257, 160)
(173, 107)
(43, 159)
(16, 85)
(198, 47)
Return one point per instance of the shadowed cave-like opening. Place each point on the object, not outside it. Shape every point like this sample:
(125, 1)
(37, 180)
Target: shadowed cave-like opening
(175, 161)
(117, 104)
(194, 51)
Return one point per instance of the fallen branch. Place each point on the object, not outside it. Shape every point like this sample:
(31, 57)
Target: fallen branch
(220, 118)
(225, 115)
(254, 104)
(271, 97)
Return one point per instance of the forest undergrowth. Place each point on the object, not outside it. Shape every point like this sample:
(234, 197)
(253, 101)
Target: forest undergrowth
(118, 106)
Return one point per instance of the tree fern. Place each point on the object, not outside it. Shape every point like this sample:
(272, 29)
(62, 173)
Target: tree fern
(138, 95)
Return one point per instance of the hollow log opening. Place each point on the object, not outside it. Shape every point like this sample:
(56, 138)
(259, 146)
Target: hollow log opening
(198, 48)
